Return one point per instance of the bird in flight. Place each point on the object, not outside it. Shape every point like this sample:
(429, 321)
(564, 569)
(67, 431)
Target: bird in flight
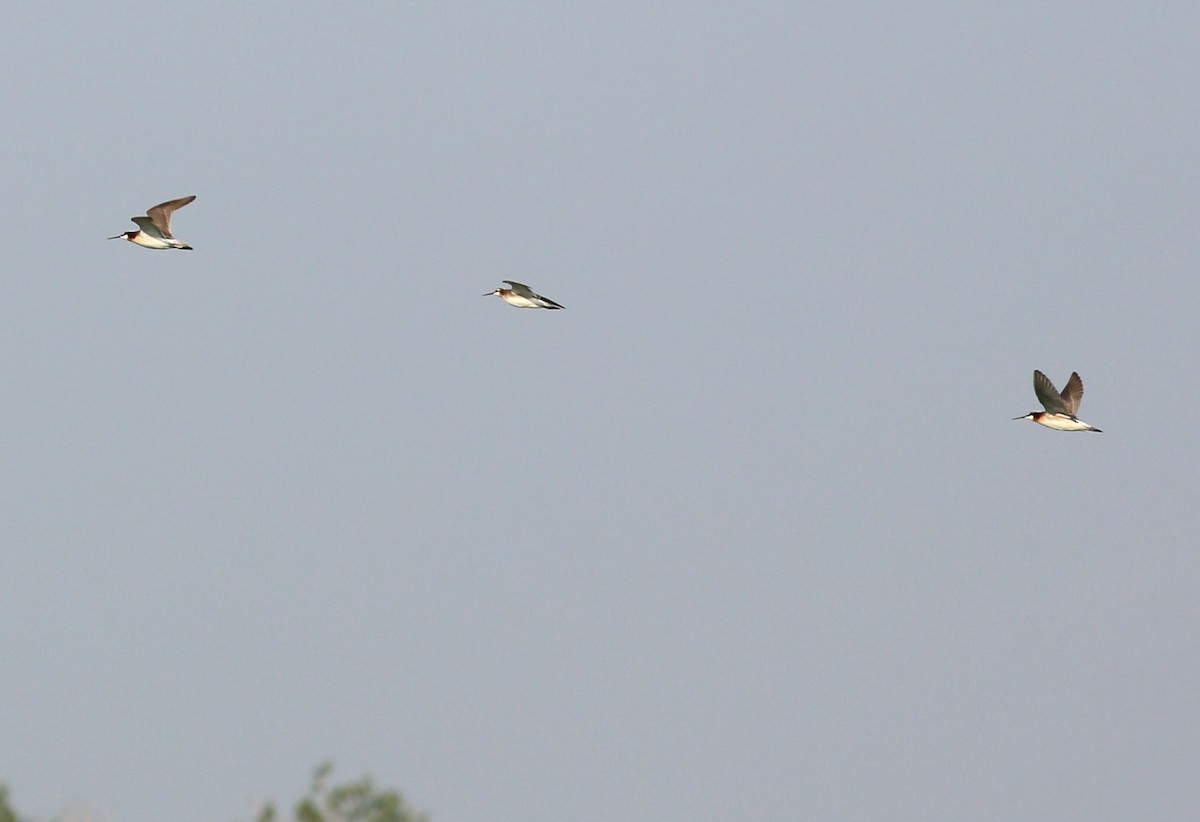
(522, 296)
(154, 230)
(1060, 408)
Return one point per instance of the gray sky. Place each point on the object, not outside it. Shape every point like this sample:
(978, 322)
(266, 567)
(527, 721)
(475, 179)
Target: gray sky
(744, 533)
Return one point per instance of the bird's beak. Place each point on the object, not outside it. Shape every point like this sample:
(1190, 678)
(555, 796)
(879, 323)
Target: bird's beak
(490, 293)
(119, 236)
(1021, 418)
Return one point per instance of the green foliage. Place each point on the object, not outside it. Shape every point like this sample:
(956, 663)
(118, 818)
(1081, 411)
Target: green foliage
(7, 814)
(357, 801)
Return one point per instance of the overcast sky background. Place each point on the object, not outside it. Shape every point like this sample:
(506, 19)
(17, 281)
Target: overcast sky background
(746, 532)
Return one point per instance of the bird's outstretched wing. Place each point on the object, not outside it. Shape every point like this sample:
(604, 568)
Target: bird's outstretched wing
(520, 288)
(1048, 395)
(160, 214)
(1072, 395)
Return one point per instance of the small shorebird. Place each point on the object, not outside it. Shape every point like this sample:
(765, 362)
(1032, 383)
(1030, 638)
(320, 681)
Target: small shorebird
(1060, 408)
(522, 296)
(154, 230)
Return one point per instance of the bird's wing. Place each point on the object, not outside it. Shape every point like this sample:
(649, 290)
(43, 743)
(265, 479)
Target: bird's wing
(520, 288)
(1047, 394)
(1072, 395)
(161, 214)
(147, 226)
